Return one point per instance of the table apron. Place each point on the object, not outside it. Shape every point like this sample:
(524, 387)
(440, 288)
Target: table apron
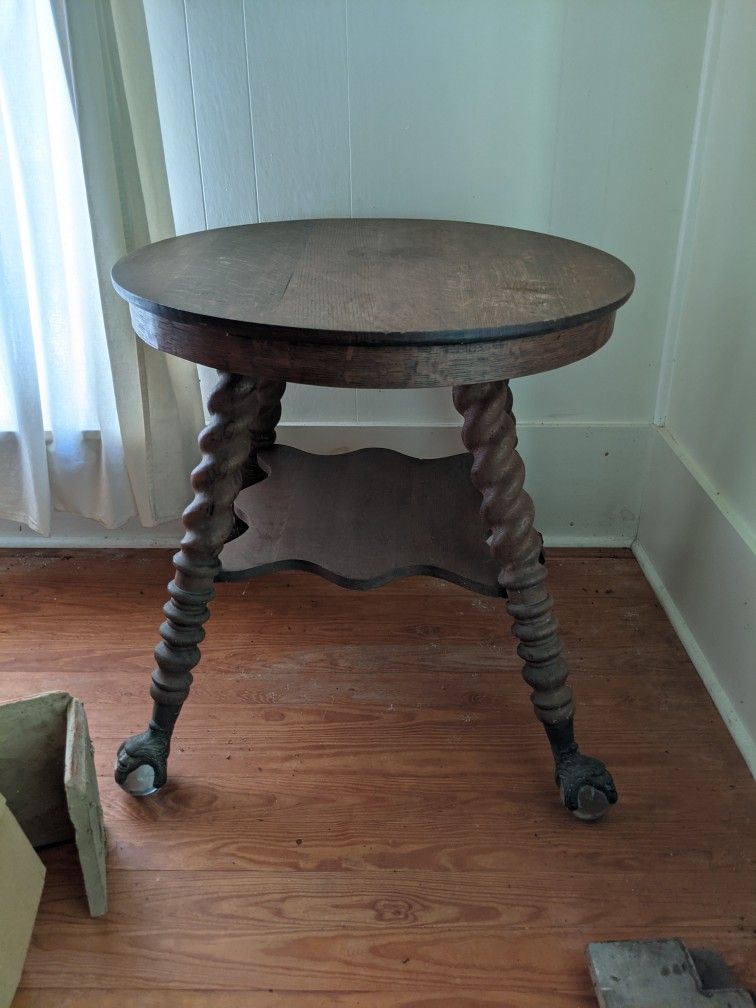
(365, 365)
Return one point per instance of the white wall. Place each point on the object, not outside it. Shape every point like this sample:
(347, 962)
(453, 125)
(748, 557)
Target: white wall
(711, 407)
(574, 118)
(697, 535)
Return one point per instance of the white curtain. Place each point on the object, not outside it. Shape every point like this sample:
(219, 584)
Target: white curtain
(91, 421)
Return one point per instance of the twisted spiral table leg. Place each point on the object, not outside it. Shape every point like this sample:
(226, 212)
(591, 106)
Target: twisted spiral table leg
(141, 764)
(490, 435)
(266, 413)
(268, 395)
(265, 417)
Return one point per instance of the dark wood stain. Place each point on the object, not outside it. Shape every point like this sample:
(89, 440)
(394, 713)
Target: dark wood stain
(374, 303)
(362, 519)
(379, 283)
(365, 365)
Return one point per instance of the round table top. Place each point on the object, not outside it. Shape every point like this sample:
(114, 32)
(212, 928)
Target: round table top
(385, 283)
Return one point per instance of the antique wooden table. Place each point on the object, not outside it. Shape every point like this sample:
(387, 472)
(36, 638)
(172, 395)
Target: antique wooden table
(368, 304)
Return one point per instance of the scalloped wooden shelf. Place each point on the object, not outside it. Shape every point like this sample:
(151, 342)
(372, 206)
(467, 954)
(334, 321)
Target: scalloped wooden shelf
(362, 519)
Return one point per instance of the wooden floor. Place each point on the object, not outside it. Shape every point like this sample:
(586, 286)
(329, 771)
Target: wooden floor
(362, 810)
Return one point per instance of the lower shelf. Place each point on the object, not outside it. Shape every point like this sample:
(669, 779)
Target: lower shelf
(361, 520)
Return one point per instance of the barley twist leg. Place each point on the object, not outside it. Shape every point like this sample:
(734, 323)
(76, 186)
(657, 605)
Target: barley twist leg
(489, 434)
(141, 764)
(265, 418)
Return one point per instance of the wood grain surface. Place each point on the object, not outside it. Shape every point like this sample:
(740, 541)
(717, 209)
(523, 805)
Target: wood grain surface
(374, 303)
(387, 282)
(362, 519)
(359, 366)
(360, 811)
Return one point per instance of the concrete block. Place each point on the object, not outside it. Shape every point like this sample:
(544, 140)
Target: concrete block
(654, 974)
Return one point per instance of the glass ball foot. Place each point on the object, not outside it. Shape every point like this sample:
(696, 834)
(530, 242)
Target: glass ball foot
(141, 766)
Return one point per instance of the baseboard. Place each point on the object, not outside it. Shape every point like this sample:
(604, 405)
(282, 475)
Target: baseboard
(585, 479)
(72, 532)
(701, 563)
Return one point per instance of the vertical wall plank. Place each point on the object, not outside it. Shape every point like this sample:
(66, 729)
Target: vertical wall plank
(166, 27)
(626, 112)
(715, 355)
(453, 108)
(298, 77)
(220, 91)
(221, 100)
(453, 112)
(298, 84)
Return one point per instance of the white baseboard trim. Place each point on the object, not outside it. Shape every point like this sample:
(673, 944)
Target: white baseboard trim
(72, 532)
(702, 568)
(585, 478)
(741, 736)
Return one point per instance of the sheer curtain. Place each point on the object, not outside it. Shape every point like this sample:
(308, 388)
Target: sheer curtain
(91, 421)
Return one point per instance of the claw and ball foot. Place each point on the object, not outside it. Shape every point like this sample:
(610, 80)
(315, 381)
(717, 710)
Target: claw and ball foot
(586, 786)
(490, 435)
(141, 764)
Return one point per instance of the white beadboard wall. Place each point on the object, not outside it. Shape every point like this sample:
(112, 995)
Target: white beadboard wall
(574, 118)
(697, 535)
